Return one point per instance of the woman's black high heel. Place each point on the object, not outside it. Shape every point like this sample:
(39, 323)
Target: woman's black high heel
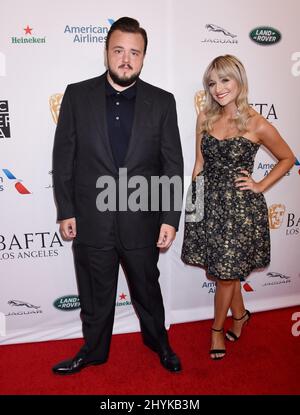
(230, 335)
(217, 351)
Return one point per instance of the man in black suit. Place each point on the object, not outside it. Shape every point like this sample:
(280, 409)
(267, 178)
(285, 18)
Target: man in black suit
(109, 126)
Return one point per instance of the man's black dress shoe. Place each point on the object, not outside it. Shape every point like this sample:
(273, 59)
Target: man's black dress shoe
(68, 367)
(167, 357)
(170, 361)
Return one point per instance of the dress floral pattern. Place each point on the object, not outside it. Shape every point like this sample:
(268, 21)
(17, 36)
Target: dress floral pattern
(233, 238)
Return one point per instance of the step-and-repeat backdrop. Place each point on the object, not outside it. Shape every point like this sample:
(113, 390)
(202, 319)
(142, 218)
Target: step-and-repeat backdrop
(47, 45)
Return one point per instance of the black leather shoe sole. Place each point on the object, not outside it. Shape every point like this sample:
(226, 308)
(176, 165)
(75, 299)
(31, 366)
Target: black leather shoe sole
(61, 370)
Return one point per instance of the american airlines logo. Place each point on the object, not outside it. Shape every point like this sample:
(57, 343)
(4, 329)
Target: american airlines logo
(20, 187)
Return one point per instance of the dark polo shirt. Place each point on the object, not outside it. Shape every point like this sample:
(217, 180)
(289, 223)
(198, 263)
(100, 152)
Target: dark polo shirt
(120, 114)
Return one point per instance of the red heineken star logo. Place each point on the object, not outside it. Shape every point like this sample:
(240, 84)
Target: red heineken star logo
(28, 30)
(122, 296)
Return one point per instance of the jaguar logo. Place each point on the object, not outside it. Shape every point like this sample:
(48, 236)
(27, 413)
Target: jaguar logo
(214, 28)
(18, 303)
(277, 274)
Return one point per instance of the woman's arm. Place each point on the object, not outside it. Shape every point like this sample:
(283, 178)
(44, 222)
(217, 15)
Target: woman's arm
(272, 140)
(198, 166)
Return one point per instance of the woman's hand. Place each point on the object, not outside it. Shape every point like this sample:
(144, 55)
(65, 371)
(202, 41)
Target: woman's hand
(247, 183)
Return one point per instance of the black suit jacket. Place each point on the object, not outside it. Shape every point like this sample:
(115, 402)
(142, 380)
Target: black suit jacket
(82, 153)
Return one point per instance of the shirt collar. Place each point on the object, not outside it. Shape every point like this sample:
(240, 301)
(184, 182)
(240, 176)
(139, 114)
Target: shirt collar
(128, 93)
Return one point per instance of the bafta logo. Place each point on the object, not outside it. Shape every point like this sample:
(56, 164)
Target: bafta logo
(276, 213)
(199, 101)
(55, 102)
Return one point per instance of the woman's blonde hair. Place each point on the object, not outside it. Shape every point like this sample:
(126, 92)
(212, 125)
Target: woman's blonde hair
(226, 66)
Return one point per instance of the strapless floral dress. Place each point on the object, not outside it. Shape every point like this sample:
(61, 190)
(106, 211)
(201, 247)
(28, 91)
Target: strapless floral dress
(233, 237)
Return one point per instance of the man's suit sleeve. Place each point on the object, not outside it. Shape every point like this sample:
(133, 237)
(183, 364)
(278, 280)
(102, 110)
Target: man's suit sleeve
(172, 163)
(63, 159)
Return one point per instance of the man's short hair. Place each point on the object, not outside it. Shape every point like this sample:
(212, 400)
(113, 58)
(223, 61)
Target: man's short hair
(128, 25)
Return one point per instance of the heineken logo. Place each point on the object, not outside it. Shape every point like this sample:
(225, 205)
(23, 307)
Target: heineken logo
(67, 303)
(264, 35)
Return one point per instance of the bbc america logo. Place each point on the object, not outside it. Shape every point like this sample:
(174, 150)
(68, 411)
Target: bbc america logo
(4, 120)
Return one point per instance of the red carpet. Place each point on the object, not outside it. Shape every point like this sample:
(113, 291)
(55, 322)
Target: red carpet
(266, 360)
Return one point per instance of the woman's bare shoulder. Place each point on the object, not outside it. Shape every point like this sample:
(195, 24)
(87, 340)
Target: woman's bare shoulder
(255, 124)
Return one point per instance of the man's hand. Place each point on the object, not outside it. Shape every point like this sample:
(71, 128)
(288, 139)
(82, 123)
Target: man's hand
(67, 228)
(166, 236)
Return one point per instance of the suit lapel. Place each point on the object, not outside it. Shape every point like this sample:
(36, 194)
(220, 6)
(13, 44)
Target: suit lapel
(142, 109)
(98, 108)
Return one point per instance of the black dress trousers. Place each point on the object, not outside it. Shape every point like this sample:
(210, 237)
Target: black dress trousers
(97, 276)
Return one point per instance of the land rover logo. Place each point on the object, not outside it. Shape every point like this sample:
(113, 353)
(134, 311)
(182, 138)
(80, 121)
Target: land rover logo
(67, 303)
(264, 35)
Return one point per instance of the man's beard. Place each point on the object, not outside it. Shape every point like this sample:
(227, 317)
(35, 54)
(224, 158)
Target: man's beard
(122, 81)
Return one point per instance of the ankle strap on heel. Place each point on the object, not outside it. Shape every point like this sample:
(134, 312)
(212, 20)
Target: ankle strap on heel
(217, 330)
(247, 313)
